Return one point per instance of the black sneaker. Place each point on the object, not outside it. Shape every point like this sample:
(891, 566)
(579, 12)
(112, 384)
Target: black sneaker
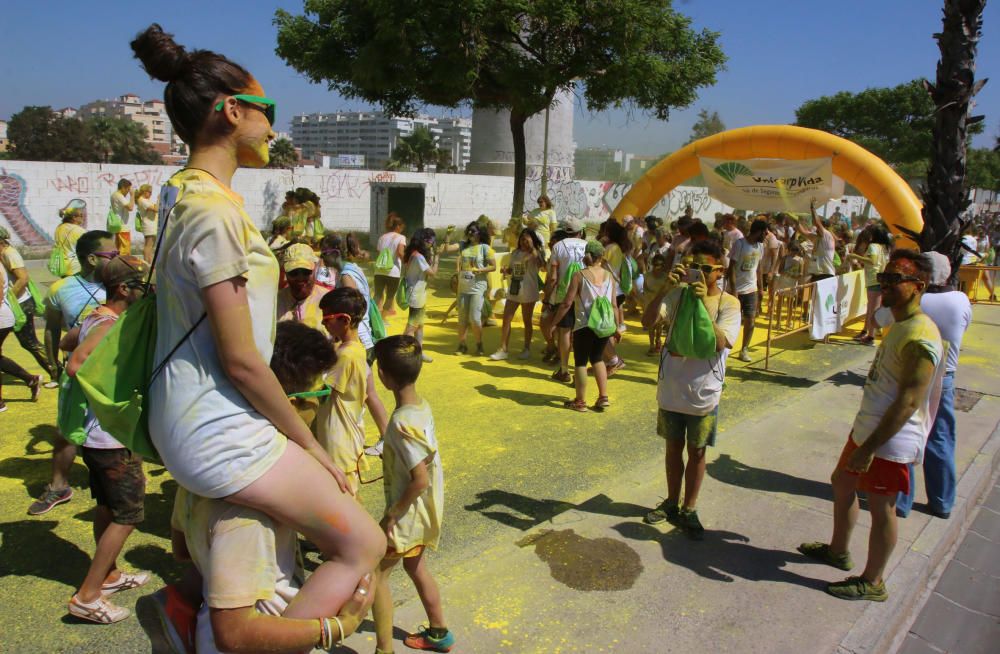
(49, 500)
(663, 513)
(463, 348)
(691, 525)
(479, 350)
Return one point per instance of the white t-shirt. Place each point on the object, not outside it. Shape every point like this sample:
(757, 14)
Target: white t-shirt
(565, 252)
(729, 238)
(416, 280)
(97, 438)
(209, 436)
(410, 439)
(969, 255)
(746, 258)
(882, 388)
(391, 240)
(588, 293)
(821, 261)
(12, 260)
(694, 386)
(120, 204)
(147, 216)
(6, 314)
(244, 557)
(951, 311)
(523, 277)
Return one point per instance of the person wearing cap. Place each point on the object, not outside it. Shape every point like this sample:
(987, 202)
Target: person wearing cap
(951, 311)
(567, 252)
(299, 301)
(117, 481)
(18, 285)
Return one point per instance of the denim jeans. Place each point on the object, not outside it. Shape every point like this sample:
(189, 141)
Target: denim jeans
(940, 478)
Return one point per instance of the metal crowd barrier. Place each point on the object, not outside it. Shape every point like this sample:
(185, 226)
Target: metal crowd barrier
(977, 280)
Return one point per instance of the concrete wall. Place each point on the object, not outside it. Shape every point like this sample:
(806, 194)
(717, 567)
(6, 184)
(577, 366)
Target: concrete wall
(31, 194)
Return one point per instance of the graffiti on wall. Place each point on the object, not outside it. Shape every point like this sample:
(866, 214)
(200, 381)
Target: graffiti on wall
(13, 190)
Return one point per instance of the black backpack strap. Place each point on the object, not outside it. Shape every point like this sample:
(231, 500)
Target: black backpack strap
(159, 368)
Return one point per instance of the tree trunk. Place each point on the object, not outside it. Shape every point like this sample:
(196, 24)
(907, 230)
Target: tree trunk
(945, 196)
(517, 121)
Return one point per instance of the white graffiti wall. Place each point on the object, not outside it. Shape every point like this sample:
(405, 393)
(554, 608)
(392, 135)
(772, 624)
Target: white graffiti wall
(31, 194)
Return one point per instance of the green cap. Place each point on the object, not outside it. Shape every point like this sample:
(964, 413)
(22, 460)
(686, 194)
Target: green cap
(4, 234)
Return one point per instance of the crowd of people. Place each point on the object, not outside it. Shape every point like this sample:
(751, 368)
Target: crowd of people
(268, 350)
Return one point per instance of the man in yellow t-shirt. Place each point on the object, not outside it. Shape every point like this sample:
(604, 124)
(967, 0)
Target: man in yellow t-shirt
(299, 301)
(340, 426)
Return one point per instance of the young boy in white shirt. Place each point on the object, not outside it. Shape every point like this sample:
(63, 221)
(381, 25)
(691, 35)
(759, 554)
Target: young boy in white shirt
(414, 495)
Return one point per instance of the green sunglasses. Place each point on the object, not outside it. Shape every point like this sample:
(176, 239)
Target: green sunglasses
(254, 101)
(323, 392)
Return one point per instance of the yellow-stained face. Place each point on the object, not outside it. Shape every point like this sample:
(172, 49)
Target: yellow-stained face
(253, 132)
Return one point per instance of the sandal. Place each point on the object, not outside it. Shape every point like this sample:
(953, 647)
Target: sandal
(127, 581)
(602, 403)
(576, 405)
(100, 611)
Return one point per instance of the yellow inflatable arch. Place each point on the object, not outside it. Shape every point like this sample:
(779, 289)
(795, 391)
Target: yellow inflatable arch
(888, 192)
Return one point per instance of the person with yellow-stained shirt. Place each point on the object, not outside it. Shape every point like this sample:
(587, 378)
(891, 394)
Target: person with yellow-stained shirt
(340, 426)
(122, 204)
(22, 291)
(68, 232)
(299, 301)
(543, 221)
(414, 496)
(890, 430)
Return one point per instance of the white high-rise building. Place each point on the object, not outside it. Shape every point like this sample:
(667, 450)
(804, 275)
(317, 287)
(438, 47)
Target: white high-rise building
(373, 136)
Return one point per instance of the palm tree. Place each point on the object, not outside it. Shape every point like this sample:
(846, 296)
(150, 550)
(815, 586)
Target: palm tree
(283, 154)
(415, 150)
(945, 196)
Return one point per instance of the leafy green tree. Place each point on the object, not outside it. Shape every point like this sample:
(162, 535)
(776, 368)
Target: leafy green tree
(983, 170)
(38, 134)
(706, 125)
(283, 154)
(502, 54)
(120, 140)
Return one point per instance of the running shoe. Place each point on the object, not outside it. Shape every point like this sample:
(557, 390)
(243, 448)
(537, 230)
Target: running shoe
(821, 552)
(663, 513)
(423, 640)
(691, 525)
(499, 355)
(857, 588)
(49, 500)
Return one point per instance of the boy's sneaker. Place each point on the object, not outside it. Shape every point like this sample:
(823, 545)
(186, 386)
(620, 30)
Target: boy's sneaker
(499, 355)
(744, 356)
(821, 552)
(49, 500)
(479, 350)
(663, 513)
(524, 355)
(856, 588)
(126, 581)
(423, 640)
(689, 522)
(426, 359)
(463, 348)
(178, 619)
(100, 611)
(376, 449)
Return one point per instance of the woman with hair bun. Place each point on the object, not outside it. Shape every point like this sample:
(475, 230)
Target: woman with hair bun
(218, 416)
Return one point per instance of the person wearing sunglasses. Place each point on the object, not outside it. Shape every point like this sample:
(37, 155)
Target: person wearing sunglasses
(219, 418)
(889, 431)
(299, 301)
(689, 389)
(68, 302)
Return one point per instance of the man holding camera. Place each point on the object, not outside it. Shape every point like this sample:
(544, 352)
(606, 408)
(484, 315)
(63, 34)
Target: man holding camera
(689, 388)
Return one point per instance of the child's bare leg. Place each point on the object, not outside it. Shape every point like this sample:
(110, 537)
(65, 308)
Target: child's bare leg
(110, 538)
(382, 610)
(509, 309)
(299, 492)
(527, 315)
(427, 588)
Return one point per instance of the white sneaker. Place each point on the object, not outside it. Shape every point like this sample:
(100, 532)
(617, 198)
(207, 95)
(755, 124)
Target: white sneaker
(376, 449)
(425, 358)
(524, 355)
(745, 356)
(499, 355)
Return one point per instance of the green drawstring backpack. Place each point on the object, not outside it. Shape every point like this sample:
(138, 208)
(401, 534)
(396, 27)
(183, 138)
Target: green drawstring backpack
(71, 410)
(566, 278)
(376, 322)
(58, 265)
(114, 221)
(602, 317)
(692, 334)
(628, 270)
(402, 294)
(384, 261)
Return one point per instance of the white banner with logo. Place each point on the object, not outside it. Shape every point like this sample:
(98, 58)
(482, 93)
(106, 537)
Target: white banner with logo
(770, 184)
(836, 301)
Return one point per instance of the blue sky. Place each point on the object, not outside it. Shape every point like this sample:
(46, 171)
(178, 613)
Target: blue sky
(781, 53)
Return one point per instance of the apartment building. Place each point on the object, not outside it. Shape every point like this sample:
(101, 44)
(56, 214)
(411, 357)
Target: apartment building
(152, 114)
(369, 137)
